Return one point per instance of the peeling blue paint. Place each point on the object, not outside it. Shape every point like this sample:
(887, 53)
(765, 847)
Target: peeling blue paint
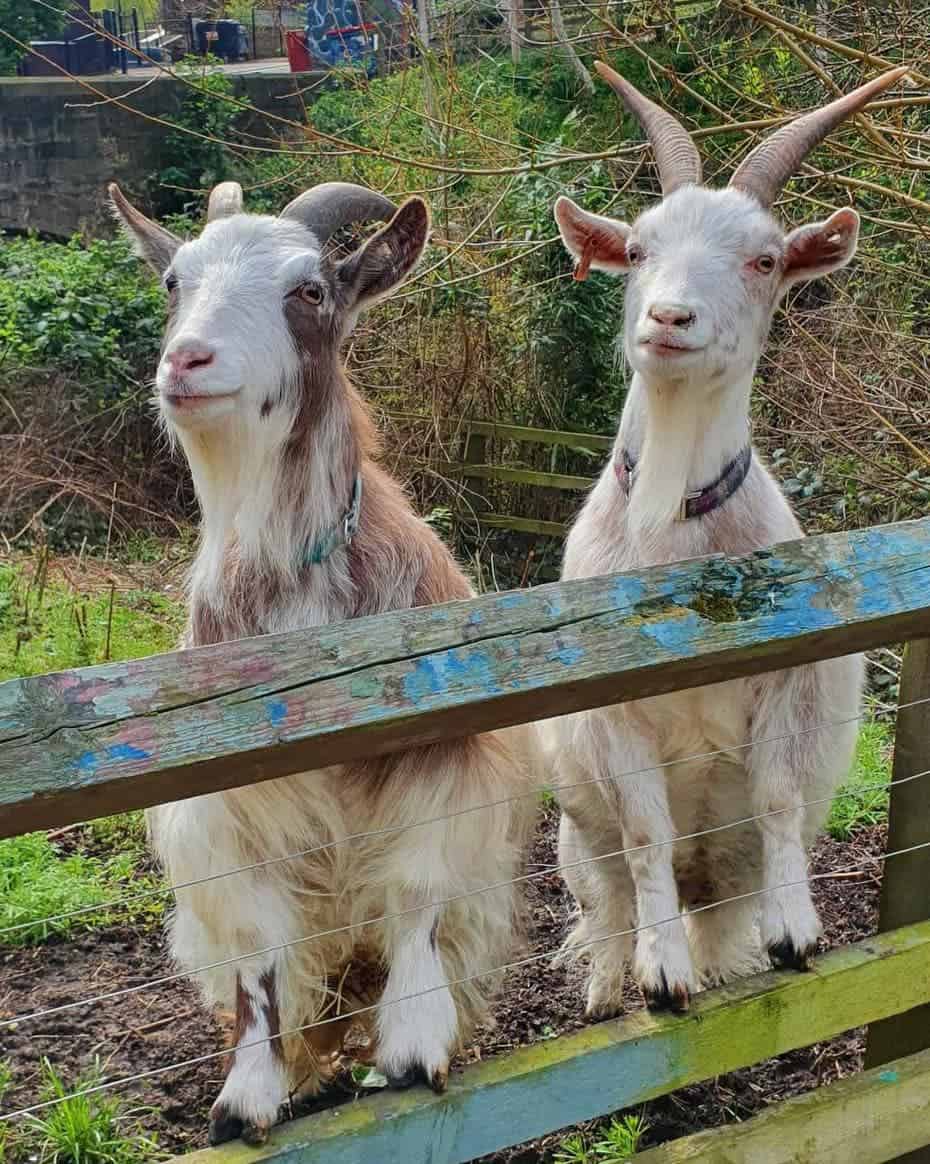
(628, 591)
(90, 761)
(566, 654)
(506, 601)
(888, 1077)
(277, 710)
(676, 635)
(438, 674)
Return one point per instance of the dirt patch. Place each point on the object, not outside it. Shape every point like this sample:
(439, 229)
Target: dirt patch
(165, 1024)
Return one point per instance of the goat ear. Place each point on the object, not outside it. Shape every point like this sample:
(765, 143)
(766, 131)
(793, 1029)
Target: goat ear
(388, 257)
(593, 240)
(151, 241)
(821, 247)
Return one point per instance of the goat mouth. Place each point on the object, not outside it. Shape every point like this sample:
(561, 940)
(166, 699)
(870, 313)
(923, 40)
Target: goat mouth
(667, 349)
(191, 401)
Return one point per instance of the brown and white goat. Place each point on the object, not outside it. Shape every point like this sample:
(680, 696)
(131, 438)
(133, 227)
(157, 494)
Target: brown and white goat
(300, 528)
(706, 270)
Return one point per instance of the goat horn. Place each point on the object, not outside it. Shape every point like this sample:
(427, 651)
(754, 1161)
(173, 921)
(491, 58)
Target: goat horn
(763, 173)
(327, 207)
(677, 158)
(225, 199)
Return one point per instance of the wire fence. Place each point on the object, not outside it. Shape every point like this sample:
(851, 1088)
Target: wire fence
(19, 1020)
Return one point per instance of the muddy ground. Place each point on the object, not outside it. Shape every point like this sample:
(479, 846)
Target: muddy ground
(164, 1024)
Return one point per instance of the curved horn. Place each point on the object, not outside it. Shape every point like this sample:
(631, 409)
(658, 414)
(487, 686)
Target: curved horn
(327, 207)
(225, 199)
(676, 155)
(763, 173)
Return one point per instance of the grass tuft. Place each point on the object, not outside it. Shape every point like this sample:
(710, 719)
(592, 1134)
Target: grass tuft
(84, 1129)
(859, 804)
(615, 1143)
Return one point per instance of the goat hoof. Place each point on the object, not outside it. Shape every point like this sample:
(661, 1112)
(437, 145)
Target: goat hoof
(439, 1080)
(664, 997)
(786, 954)
(413, 1075)
(224, 1126)
(255, 1134)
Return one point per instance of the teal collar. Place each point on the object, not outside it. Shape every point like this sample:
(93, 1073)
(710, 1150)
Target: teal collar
(341, 533)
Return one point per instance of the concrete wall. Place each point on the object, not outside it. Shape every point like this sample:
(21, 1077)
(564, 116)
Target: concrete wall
(60, 145)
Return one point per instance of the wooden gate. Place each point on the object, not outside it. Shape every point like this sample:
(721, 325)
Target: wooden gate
(104, 739)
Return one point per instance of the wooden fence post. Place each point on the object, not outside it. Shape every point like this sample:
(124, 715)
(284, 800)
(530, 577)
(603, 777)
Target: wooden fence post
(905, 896)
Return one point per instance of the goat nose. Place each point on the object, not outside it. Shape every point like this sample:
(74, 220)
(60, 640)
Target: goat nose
(671, 314)
(188, 357)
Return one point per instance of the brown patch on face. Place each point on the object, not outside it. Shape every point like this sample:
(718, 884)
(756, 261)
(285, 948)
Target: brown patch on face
(266, 408)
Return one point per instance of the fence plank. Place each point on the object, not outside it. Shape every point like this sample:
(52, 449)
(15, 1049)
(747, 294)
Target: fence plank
(125, 735)
(515, 432)
(564, 482)
(868, 1118)
(535, 1090)
(905, 896)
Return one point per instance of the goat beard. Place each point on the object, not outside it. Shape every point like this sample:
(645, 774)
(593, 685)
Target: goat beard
(665, 458)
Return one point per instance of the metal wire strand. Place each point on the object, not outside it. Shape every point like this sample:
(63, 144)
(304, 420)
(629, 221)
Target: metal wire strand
(389, 830)
(141, 987)
(125, 1080)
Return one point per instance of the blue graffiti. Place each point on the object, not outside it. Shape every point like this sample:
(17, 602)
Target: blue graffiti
(277, 710)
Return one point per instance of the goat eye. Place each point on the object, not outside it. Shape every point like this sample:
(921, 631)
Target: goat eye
(634, 255)
(171, 283)
(311, 293)
(765, 264)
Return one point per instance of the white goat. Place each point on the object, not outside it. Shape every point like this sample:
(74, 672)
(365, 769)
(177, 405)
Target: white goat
(300, 528)
(706, 270)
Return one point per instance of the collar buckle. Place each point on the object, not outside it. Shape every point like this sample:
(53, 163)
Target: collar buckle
(683, 504)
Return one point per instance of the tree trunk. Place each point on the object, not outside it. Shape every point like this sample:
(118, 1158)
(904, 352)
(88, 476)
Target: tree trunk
(568, 49)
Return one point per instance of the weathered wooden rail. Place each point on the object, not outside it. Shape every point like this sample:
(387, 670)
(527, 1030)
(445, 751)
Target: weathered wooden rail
(85, 743)
(474, 465)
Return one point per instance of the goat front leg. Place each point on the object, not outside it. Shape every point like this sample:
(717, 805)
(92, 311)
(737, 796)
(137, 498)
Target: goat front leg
(257, 1082)
(417, 1018)
(777, 770)
(662, 961)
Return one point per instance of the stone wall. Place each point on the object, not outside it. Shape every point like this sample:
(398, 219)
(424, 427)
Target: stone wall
(60, 144)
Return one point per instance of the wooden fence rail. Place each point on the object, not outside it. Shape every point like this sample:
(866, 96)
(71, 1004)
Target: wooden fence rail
(85, 743)
(105, 739)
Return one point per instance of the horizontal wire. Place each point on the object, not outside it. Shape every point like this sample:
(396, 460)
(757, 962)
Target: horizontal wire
(388, 830)
(546, 871)
(515, 965)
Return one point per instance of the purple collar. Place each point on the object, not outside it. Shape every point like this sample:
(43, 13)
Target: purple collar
(702, 501)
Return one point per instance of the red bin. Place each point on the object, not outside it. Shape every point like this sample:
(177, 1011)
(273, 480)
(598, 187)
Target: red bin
(297, 55)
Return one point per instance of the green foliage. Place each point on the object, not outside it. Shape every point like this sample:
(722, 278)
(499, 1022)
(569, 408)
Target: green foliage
(51, 627)
(859, 803)
(613, 1144)
(90, 311)
(37, 883)
(26, 21)
(86, 1129)
(194, 165)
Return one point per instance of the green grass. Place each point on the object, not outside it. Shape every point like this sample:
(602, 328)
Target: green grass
(82, 1129)
(37, 883)
(859, 804)
(51, 626)
(613, 1144)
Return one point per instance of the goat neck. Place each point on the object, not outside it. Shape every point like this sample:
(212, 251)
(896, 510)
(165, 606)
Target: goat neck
(681, 440)
(268, 491)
